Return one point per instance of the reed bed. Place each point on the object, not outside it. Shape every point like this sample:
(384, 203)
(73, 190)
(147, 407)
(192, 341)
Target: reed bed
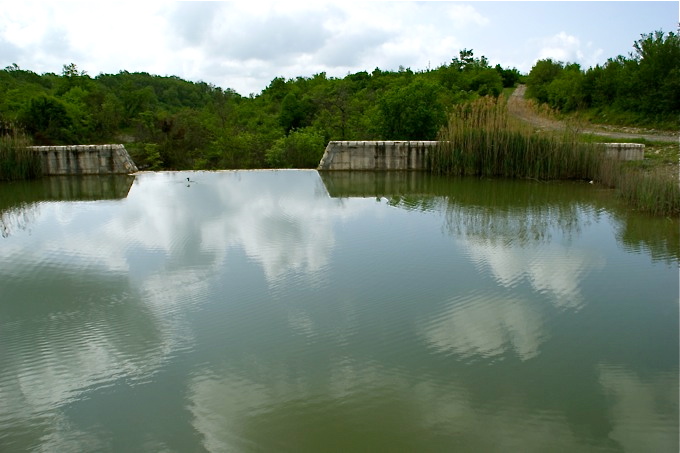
(655, 191)
(17, 161)
(650, 191)
(482, 139)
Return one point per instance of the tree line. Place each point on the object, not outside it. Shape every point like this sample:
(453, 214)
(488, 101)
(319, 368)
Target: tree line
(640, 89)
(170, 123)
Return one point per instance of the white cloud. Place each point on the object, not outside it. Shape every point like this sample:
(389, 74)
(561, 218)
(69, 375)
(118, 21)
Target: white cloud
(561, 47)
(464, 15)
(569, 49)
(244, 45)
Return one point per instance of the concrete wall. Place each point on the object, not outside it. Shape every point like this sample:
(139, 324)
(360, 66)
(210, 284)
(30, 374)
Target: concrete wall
(85, 160)
(370, 155)
(412, 155)
(625, 151)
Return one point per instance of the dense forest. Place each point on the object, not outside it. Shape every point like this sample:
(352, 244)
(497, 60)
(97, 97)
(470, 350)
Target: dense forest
(642, 89)
(170, 123)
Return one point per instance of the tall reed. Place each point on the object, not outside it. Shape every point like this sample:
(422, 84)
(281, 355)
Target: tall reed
(17, 161)
(655, 191)
(482, 139)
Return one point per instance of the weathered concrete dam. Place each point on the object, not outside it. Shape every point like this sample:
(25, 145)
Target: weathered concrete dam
(625, 151)
(412, 155)
(85, 160)
(376, 155)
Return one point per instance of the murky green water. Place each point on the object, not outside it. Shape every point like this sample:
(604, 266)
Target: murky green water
(279, 311)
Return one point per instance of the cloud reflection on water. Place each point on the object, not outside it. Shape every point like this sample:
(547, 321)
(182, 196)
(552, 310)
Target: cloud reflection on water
(229, 407)
(160, 247)
(487, 325)
(643, 410)
(555, 270)
(162, 255)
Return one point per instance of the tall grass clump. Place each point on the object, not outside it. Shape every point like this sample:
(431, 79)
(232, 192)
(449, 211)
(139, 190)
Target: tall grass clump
(17, 161)
(655, 191)
(482, 139)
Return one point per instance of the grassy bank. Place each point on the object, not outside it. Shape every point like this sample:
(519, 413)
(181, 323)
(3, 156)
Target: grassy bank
(16, 160)
(613, 117)
(482, 139)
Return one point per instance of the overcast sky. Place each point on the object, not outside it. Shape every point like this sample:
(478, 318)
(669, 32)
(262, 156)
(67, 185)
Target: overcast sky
(244, 45)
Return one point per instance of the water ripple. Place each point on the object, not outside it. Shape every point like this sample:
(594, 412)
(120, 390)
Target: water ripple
(486, 325)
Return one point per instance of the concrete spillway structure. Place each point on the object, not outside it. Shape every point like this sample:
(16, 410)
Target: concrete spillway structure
(625, 151)
(376, 155)
(412, 155)
(85, 160)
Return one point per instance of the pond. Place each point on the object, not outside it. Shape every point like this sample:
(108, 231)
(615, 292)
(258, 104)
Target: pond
(296, 311)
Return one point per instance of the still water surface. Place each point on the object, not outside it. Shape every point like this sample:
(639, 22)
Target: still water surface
(282, 311)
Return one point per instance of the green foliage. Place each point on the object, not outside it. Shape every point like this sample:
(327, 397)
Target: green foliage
(658, 71)
(170, 123)
(300, 149)
(16, 160)
(642, 89)
(509, 77)
(176, 124)
(412, 112)
(487, 83)
(292, 113)
(246, 149)
(47, 119)
(152, 157)
(566, 92)
(540, 76)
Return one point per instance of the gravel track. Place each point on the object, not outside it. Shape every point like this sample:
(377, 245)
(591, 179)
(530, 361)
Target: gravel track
(518, 106)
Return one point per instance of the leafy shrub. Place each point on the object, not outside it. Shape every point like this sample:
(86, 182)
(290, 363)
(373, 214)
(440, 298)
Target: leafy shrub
(300, 149)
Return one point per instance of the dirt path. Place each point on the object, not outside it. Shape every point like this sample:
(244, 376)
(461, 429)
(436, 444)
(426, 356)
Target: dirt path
(518, 106)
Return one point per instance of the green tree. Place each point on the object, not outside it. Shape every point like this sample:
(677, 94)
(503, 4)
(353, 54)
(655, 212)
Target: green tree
(300, 149)
(292, 113)
(412, 112)
(136, 101)
(540, 76)
(566, 91)
(487, 82)
(109, 116)
(510, 77)
(658, 76)
(47, 120)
